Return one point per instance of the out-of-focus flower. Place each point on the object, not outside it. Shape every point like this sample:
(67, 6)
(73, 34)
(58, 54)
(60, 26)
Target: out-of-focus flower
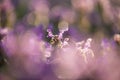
(63, 26)
(117, 38)
(107, 13)
(68, 15)
(65, 64)
(8, 17)
(29, 57)
(39, 13)
(83, 5)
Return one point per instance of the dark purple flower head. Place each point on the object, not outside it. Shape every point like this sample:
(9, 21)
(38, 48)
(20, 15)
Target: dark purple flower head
(39, 31)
